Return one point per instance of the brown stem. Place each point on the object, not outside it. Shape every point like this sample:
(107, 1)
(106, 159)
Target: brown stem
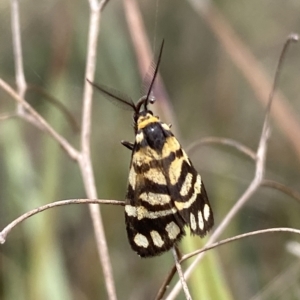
(255, 183)
(10, 226)
(85, 158)
(42, 123)
(251, 69)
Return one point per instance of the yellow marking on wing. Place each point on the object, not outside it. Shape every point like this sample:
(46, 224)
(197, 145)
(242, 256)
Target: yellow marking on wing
(175, 170)
(132, 177)
(171, 145)
(155, 199)
(141, 212)
(145, 156)
(156, 176)
(197, 190)
(187, 184)
(197, 186)
(186, 157)
(184, 205)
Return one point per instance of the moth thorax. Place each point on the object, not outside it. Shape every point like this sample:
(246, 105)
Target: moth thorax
(145, 119)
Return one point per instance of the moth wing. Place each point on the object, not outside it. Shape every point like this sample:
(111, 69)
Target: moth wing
(191, 202)
(152, 220)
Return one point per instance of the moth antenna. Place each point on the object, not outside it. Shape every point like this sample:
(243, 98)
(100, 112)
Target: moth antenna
(114, 96)
(148, 78)
(154, 76)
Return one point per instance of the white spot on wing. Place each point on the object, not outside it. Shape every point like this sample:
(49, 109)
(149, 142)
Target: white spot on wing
(141, 240)
(197, 185)
(157, 240)
(173, 230)
(206, 212)
(130, 210)
(186, 186)
(200, 220)
(193, 221)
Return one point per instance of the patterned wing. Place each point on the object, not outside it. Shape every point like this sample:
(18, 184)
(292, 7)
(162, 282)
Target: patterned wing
(191, 202)
(152, 221)
(165, 193)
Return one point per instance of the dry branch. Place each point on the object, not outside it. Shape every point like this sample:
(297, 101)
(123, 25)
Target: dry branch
(259, 171)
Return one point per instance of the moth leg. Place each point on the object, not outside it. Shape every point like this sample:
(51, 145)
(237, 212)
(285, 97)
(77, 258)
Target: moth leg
(128, 145)
(170, 125)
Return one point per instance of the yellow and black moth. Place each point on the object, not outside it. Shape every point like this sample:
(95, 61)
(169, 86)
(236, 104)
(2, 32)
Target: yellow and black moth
(165, 192)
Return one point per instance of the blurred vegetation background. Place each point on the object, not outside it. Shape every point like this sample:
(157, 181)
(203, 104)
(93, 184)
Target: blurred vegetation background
(53, 255)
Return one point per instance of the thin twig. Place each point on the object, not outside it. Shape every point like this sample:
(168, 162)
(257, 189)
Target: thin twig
(253, 72)
(280, 284)
(4, 117)
(18, 60)
(59, 105)
(85, 159)
(10, 226)
(102, 4)
(258, 177)
(17, 48)
(181, 276)
(223, 141)
(165, 285)
(220, 243)
(293, 37)
(71, 151)
(239, 237)
(281, 187)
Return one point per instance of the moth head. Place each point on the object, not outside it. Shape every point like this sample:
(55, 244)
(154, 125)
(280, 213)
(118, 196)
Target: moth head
(141, 108)
(145, 118)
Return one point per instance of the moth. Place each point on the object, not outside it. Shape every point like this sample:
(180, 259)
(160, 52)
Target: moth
(165, 192)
